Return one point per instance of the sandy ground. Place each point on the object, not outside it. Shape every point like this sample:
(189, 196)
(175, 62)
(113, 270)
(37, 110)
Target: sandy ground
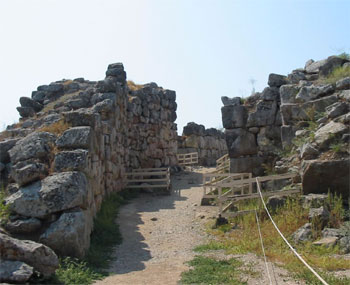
(160, 232)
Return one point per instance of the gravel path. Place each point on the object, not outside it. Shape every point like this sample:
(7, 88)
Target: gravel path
(160, 232)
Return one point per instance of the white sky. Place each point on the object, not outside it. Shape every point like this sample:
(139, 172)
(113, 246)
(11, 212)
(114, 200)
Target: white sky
(202, 49)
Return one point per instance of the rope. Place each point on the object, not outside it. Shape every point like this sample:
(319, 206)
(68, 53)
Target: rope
(262, 246)
(293, 250)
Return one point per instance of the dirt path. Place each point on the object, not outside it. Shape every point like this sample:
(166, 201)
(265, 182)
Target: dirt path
(160, 232)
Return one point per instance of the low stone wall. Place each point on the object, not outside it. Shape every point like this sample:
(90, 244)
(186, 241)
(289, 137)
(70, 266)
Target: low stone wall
(71, 149)
(209, 143)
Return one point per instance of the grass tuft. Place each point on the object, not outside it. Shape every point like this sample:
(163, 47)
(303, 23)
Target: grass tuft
(337, 74)
(56, 128)
(210, 271)
(133, 86)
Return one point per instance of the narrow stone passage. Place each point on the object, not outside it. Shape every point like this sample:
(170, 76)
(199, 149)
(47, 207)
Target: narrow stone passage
(159, 234)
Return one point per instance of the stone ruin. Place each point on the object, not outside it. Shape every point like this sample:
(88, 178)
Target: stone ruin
(301, 107)
(209, 143)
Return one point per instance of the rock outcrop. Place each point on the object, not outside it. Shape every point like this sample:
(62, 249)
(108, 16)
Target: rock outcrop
(209, 143)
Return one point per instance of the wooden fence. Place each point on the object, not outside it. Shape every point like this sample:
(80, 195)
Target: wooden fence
(148, 178)
(223, 164)
(235, 187)
(187, 158)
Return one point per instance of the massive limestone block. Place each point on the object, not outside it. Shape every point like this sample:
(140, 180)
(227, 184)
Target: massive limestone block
(270, 94)
(35, 145)
(234, 116)
(5, 146)
(71, 160)
(313, 92)
(325, 66)
(15, 271)
(288, 93)
(78, 137)
(230, 101)
(28, 102)
(326, 134)
(26, 172)
(321, 176)
(240, 142)
(22, 225)
(82, 117)
(251, 164)
(53, 194)
(26, 112)
(264, 115)
(277, 80)
(70, 234)
(337, 109)
(193, 129)
(343, 83)
(37, 255)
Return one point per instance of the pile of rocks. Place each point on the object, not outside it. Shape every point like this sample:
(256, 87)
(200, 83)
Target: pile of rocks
(304, 114)
(71, 149)
(209, 143)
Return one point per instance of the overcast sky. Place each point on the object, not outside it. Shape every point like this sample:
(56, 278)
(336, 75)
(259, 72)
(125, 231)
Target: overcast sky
(202, 49)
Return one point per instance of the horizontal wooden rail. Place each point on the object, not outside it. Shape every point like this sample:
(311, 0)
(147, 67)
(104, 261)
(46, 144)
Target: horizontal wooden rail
(187, 158)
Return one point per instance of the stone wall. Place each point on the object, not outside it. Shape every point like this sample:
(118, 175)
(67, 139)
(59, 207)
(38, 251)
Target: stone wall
(71, 148)
(307, 114)
(209, 143)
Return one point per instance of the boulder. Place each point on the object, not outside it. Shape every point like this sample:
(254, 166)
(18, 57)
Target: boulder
(321, 176)
(264, 115)
(277, 80)
(345, 94)
(343, 83)
(240, 142)
(337, 109)
(5, 146)
(37, 255)
(321, 214)
(70, 234)
(77, 137)
(192, 141)
(234, 116)
(116, 70)
(53, 194)
(288, 93)
(193, 129)
(71, 160)
(82, 117)
(331, 63)
(26, 112)
(326, 134)
(231, 101)
(29, 172)
(302, 234)
(296, 76)
(15, 271)
(247, 164)
(344, 244)
(36, 145)
(23, 225)
(307, 151)
(325, 66)
(270, 94)
(313, 92)
(275, 202)
(326, 242)
(313, 200)
(330, 232)
(39, 96)
(28, 102)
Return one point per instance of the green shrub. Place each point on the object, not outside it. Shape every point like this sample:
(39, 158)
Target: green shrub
(344, 55)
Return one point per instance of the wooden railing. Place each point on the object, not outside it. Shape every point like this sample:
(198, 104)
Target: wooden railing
(224, 195)
(223, 164)
(187, 158)
(148, 178)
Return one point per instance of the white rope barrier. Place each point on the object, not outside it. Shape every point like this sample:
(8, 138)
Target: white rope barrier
(262, 246)
(293, 250)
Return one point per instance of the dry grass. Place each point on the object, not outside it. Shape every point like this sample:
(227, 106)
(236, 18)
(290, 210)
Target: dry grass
(133, 86)
(62, 99)
(337, 74)
(245, 238)
(56, 128)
